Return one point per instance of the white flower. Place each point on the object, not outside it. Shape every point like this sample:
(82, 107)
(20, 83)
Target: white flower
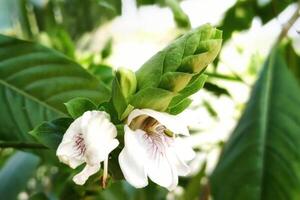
(89, 139)
(152, 150)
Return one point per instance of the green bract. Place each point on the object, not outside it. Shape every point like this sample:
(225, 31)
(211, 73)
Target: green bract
(173, 74)
(127, 81)
(123, 87)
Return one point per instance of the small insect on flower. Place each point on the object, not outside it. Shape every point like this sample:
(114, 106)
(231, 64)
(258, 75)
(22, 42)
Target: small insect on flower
(153, 150)
(89, 139)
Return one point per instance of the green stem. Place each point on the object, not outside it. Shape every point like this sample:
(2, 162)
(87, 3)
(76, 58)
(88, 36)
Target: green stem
(22, 145)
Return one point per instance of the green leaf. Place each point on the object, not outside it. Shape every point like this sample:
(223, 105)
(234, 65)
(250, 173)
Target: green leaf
(261, 160)
(210, 109)
(79, 17)
(77, 106)
(51, 133)
(107, 49)
(194, 86)
(205, 54)
(216, 89)
(153, 98)
(175, 81)
(181, 106)
(293, 58)
(15, 174)
(35, 82)
(103, 72)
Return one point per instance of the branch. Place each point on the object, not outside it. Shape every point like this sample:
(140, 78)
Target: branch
(286, 27)
(22, 145)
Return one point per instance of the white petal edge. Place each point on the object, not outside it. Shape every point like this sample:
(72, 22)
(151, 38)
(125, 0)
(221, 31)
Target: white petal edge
(132, 158)
(161, 172)
(82, 176)
(172, 122)
(183, 150)
(180, 166)
(65, 150)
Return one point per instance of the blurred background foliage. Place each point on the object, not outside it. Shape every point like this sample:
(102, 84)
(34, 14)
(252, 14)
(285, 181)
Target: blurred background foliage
(72, 27)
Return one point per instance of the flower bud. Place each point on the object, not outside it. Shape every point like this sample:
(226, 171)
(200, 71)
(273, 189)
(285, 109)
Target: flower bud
(124, 86)
(127, 82)
(181, 60)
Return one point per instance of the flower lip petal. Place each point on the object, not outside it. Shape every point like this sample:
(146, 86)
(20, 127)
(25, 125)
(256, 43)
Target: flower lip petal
(172, 122)
(183, 150)
(131, 158)
(88, 170)
(161, 171)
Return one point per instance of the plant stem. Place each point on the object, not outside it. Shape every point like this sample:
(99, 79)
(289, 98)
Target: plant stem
(287, 26)
(22, 145)
(105, 173)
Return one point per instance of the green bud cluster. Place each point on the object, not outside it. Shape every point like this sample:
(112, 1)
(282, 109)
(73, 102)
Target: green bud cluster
(167, 79)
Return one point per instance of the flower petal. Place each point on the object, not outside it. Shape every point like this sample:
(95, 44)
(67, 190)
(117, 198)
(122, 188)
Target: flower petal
(161, 171)
(181, 167)
(88, 170)
(65, 151)
(172, 122)
(183, 151)
(99, 136)
(131, 158)
(66, 154)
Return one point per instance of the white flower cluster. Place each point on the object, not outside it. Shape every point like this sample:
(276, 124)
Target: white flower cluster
(152, 148)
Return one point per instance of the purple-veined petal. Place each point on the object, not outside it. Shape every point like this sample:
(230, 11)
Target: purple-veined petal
(90, 139)
(65, 151)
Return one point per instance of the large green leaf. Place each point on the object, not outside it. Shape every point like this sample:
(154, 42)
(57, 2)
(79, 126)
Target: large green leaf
(34, 84)
(261, 160)
(15, 174)
(293, 58)
(51, 133)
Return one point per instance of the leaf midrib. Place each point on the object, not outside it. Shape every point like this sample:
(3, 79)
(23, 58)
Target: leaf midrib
(6, 84)
(265, 116)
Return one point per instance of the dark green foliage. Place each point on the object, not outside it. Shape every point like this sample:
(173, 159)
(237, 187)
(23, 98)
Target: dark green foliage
(35, 82)
(51, 133)
(293, 58)
(261, 160)
(215, 89)
(77, 106)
